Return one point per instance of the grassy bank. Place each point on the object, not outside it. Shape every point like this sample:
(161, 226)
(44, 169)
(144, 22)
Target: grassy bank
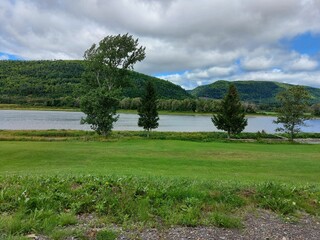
(83, 183)
(61, 207)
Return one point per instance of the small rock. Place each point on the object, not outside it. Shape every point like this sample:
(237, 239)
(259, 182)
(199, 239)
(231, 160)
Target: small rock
(32, 236)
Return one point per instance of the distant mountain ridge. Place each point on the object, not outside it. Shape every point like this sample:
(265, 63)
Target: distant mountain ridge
(261, 92)
(57, 83)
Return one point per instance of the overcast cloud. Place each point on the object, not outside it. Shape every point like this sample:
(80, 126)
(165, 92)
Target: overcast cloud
(189, 42)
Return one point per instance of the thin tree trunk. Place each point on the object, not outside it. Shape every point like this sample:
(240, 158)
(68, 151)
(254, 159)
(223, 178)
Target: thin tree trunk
(291, 133)
(148, 133)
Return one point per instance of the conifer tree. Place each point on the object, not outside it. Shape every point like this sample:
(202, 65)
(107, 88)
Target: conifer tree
(231, 115)
(148, 110)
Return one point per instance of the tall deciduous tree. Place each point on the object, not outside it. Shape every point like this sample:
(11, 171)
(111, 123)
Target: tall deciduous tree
(148, 110)
(294, 104)
(107, 64)
(231, 115)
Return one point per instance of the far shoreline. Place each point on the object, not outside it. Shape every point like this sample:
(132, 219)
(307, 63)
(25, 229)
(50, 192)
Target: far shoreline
(161, 112)
(70, 109)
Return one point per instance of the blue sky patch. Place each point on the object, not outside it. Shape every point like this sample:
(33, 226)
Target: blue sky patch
(7, 56)
(306, 43)
(160, 74)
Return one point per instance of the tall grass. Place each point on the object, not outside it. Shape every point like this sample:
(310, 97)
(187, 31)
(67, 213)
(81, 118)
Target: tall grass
(48, 205)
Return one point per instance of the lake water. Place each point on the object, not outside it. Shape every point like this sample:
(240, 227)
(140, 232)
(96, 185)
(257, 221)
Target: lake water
(40, 120)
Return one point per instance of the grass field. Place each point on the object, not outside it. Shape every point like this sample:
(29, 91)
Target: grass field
(244, 162)
(47, 186)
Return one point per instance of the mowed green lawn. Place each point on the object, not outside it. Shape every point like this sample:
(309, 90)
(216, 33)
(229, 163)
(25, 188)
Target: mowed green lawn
(243, 162)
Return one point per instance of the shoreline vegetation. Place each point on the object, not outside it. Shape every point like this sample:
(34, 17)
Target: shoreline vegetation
(92, 187)
(82, 135)
(161, 112)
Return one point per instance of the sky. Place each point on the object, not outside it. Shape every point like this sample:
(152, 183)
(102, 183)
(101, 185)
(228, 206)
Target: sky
(188, 42)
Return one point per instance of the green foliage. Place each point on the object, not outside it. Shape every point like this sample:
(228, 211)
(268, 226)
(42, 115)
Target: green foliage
(108, 61)
(175, 105)
(316, 109)
(104, 75)
(277, 197)
(100, 108)
(48, 83)
(231, 116)
(292, 112)
(148, 110)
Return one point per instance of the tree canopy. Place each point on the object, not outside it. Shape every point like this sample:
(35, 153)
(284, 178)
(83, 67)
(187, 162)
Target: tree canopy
(104, 76)
(108, 60)
(294, 104)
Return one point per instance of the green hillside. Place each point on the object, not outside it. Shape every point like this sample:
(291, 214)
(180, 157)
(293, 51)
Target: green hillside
(261, 92)
(57, 83)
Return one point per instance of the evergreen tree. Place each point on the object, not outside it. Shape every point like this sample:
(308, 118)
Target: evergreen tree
(148, 110)
(230, 116)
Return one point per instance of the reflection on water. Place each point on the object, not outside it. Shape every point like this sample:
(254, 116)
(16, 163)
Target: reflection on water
(19, 119)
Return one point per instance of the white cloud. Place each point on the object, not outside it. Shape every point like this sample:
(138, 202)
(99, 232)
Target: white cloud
(304, 63)
(257, 63)
(192, 79)
(205, 39)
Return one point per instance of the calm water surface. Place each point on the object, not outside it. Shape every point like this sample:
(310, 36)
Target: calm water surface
(41, 120)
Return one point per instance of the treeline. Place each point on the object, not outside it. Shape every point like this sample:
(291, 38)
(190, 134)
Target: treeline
(174, 105)
(186, 105)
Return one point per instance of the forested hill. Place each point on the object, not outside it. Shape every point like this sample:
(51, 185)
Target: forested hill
(57, 83)
(263, 92)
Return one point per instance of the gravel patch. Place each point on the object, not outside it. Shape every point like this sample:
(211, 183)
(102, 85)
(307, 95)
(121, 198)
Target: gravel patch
(260, 225)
